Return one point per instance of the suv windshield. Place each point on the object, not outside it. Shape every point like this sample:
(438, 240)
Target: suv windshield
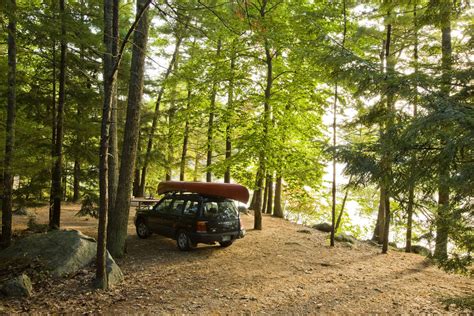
(220, 210)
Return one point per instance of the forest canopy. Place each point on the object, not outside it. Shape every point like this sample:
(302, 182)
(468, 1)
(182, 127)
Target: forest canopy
(105, 99)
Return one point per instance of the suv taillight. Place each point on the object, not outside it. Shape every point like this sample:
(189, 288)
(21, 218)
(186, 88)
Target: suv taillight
(201, 227)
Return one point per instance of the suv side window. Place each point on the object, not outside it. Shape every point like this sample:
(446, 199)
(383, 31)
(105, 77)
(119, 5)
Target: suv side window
(178, 206)
(164, 207)
(191, 208)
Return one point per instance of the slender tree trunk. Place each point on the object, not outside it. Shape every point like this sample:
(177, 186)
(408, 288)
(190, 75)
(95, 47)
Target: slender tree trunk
(387, 157)
(411, 190)
(10, 130)
(196, 167)
(266, 122)
(378, 230)
(58, 147)
(258, 200)
(334, 138)
(265, 196)
(113, 156)
(77, 176)
(136, 179)
(182, 167)
(156, 114)
(333, 189)
(278, 211)
(210, 126)
(117, 227)
(230, 112)
(411, 193)
(442, 218)
(379, 226)
(171, 114)
(109, 81)
(269, 208)
(343, 205)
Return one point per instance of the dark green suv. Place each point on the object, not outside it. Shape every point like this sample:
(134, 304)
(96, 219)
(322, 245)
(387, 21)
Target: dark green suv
(191, 218)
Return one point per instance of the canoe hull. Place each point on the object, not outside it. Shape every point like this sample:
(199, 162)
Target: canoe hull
(226, 190)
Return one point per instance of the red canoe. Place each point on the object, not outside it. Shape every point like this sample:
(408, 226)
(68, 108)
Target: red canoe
(226, 190)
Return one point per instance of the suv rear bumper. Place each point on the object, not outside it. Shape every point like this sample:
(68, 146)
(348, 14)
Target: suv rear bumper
(212, 238)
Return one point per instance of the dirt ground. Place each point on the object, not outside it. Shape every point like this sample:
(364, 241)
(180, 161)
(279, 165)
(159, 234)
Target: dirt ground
(283, 269)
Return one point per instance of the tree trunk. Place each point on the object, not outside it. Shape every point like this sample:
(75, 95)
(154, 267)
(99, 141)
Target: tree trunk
(386, 224)
(156, 114)
(343, 205)
(196, 167)
(334, 139)
(109, 81)
(56, 187)
(113, 156)
(171, 115)
(333, 189)
(442, 218)
(411, 193)
(136, 179)
(411, 190)
(379, 226)
(278, 211)
(230, 112)
(265, 196)
(269, 209)
(258, 200)
(10, 129)
(210, 126)
(117, 227)
(387, 155)
(182, 167)
(76, 186)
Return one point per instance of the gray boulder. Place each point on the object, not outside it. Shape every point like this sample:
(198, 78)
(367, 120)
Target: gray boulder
(23, 211)
(343, 237)
(114, 273)
(421, 250)
(19, 286)
(324, 227)
(61, 252)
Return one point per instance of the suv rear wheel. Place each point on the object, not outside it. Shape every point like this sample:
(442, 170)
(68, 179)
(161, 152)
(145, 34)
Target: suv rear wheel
(142, 229)
(183, 241)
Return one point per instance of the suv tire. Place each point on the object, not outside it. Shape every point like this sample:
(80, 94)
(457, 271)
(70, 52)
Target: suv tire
(142, 229)
(183, 241)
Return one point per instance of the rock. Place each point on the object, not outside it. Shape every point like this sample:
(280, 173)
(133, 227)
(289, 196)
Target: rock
(114, 273)
(19, 286)
(393, 244)
(421, 250)
(22, 211)
(324, 227)
(343, 237)
(60, 252)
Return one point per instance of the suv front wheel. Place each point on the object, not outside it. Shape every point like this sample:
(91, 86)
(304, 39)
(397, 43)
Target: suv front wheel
(183, 241)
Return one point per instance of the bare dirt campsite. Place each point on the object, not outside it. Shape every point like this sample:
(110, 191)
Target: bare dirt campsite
(285, 268)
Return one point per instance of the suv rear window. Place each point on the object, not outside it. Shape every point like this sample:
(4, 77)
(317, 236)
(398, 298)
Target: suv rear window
(220, 210)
